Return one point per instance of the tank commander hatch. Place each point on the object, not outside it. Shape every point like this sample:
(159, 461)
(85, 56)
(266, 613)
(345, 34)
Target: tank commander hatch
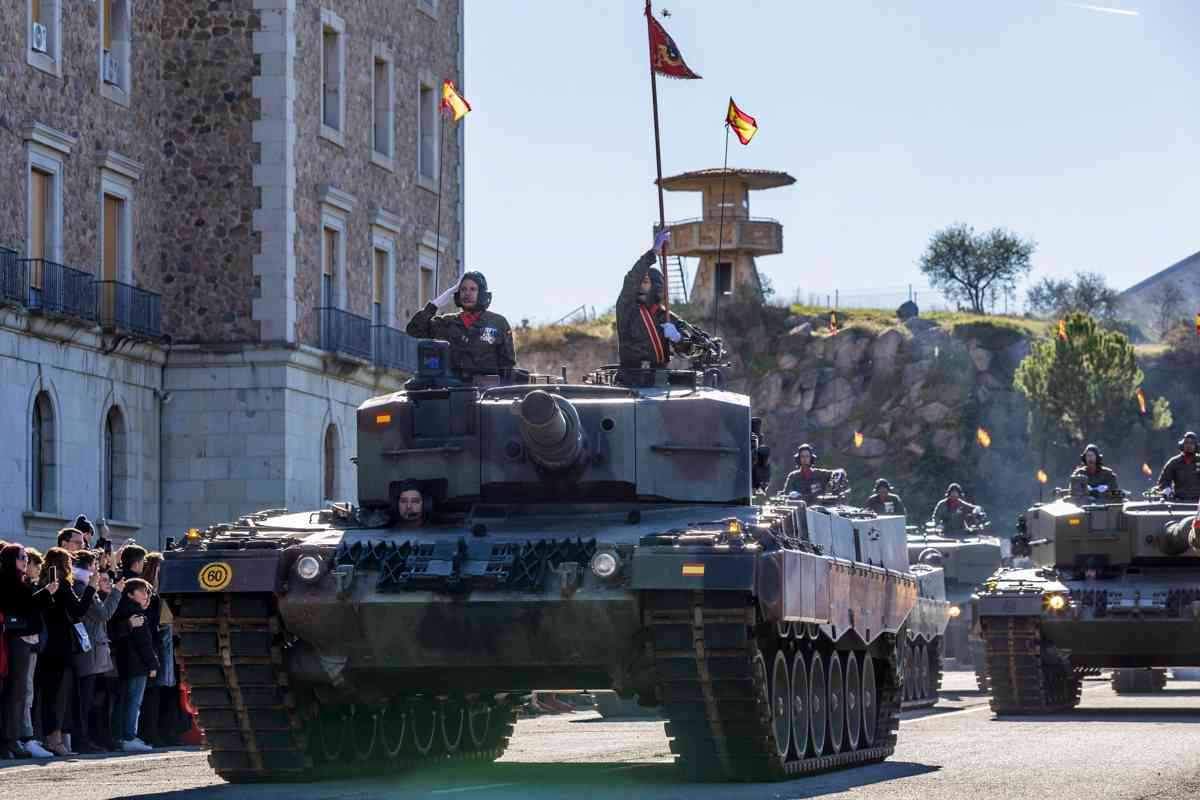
(481, 341)
(1091, 475)
(410, 506)
(884, 500)
(1180, 476)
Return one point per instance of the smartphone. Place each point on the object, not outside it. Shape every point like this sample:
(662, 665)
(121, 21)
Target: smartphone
(52, 574)
(106, 545)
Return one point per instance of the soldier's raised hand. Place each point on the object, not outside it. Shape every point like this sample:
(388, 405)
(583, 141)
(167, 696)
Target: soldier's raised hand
(671, 332)
(661, 238)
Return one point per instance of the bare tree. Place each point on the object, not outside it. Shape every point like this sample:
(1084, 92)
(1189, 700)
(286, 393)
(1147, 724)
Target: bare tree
(1089, 293)
(1167, 300)
(971, 267)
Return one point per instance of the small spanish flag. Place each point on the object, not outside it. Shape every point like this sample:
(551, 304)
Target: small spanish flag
(744, 125)
(1062, 329)
(693, 570)
(833, 323)
(1141, 398)
(1198, 324)
(454, 102)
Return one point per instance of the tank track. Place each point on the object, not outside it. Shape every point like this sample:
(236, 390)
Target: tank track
(259, 728)
(727, 686)
(922, 665)
(983, 675)
(1025, 679)
(1139, 681)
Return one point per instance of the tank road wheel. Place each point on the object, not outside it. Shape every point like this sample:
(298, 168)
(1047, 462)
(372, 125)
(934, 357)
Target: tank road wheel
(364, 729)
(332, 732)
(783, 630)
(800, 705)
(781, 706)
(393, 727)
(853, 701)
(423, 727)
(870, 701)
(836, 703)
(479, 724)
(817, 700)
(452, 721)
(812, 630)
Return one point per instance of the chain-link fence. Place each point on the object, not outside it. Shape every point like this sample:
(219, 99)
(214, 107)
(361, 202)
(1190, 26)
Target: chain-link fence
(890, 298)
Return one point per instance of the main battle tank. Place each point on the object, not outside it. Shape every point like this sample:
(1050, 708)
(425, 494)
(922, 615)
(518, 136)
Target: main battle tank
(1114, 584)
(967, 562)
(593, 535)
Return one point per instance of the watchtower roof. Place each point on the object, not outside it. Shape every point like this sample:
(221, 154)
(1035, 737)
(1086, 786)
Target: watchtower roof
(697, 180)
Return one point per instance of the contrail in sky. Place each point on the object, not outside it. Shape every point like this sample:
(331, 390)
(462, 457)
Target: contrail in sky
(1124, 12)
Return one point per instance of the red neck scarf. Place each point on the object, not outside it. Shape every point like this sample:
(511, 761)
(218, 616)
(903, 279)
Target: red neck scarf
(806, 472)
(952, 503)
(1091, 470)
(469, 318)
(1188, 458)
(660, 356)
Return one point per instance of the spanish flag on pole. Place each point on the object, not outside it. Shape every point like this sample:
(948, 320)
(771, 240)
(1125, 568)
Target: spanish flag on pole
(744, 125)
(454, 102)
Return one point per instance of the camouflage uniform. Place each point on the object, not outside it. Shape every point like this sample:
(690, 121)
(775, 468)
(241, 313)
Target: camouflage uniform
(1101, 476)
(483, 348)
(808, 485)
(639, 328)
(953, 520)
(893, 504)
(1183, 474)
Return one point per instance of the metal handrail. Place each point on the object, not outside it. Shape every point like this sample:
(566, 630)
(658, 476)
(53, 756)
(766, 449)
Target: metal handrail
(343, 332)
(58, 289)
(127, 308)
(393, 349)
(13, 283)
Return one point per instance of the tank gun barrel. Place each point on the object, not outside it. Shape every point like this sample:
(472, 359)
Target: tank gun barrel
(1177, 537)
(551, 430)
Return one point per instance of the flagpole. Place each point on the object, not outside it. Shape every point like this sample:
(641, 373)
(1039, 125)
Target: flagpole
(662, 212)
(720, 241)
(437, 250)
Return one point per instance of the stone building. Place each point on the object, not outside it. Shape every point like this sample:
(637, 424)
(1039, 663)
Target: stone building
(220, 214)
(725, 237)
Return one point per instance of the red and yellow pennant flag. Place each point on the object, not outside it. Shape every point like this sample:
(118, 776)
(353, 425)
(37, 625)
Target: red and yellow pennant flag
(453, 102)
(833, 323)
(665, 58)
(1198, 324)
(744, 125)
(1062, 329)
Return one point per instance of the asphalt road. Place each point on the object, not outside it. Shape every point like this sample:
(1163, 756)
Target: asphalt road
(1123, 748)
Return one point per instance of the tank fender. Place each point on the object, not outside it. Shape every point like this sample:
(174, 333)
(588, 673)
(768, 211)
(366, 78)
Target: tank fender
(671, 569)
(221, 571)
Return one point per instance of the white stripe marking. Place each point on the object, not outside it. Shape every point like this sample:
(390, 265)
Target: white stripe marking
(481, 787)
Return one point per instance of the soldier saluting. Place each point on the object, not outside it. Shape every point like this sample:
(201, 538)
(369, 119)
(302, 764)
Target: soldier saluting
(481, 341)
(645, 329)
(1180, 476)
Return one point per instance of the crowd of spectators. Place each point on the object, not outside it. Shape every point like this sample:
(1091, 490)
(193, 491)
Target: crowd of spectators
(86, 649)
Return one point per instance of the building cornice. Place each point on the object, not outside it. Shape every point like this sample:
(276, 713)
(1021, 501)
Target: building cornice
(333, 196)
(388, 221)
(46, 136)
(113, 161)
(433, 241)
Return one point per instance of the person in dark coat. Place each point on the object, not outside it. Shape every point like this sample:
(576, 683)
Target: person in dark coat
(952, 514)
(133, 650)
(56, 664)
(1180, 476)
(1091, 475)
(884, 500)
(91, 665)
(645, 329)
(22, 607)
(807, 482)
(481, 341)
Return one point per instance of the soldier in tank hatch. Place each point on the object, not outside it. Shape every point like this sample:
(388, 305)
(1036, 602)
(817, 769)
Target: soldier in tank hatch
(410, 505)
(884, 500)
(1180, 476)
(952, 513)
(1091, 474)
(481, 341)
(645, 329)
(807, 482)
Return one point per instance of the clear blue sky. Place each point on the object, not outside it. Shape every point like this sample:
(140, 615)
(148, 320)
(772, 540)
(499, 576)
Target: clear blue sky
(1073, 126)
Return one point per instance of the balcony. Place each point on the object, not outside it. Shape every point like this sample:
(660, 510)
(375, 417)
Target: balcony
(13, 282)
(758, 236)
(344, 333)
(60, 290)
(393, 349)
(128, 309)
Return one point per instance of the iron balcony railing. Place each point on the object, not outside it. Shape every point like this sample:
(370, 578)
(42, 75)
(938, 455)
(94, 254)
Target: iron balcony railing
(13, 283)
(343, 332)
(59, 289)
(129, 309)
(393, 349)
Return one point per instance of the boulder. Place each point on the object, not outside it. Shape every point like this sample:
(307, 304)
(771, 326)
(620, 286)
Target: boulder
(787, 361)
(883, 352)
(833, 402)
(849, 349)
(870, 448)
(949, 443)
(917, 325)
(803, 331)
(914, 449)
(933, 413)
(980, 357)
(907, 310)
(770, 392)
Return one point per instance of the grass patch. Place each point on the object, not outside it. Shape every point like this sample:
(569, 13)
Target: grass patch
(549, 337)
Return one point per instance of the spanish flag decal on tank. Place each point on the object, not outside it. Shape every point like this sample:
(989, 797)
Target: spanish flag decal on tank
(693, 570)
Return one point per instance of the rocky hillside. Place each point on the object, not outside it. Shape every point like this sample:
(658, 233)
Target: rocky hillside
(918, 393)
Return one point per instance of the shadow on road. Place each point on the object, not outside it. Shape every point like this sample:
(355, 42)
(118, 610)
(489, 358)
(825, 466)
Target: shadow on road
(1121, 715)
(530, 780)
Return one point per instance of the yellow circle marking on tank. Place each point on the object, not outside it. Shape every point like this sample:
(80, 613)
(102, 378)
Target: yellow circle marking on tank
(215, 576)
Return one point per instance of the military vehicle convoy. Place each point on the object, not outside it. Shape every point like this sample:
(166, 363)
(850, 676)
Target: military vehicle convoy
(967, 561)
(1114, 583)
(598, 534)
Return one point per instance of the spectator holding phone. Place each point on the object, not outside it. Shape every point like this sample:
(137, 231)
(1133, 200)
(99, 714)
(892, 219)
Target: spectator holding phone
(133, 650)
(90, 665)
(56, 665)
(22, 606)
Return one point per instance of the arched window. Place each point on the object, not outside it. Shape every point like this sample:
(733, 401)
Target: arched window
(330, 484)
(115, 466)
(42, 465)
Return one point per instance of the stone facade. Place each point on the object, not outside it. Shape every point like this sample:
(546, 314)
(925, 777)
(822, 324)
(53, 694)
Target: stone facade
(219, 144)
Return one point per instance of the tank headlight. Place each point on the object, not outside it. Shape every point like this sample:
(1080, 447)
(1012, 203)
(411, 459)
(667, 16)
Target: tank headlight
(605, 564)
(308, 568)
(955, 612)
(1056, 602)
